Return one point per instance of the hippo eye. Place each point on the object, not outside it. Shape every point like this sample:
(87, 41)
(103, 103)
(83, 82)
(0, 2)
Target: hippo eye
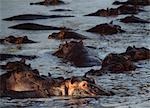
(29, 75)
(84, 85)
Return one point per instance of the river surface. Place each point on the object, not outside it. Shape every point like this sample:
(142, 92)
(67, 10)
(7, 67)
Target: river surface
(132, 90)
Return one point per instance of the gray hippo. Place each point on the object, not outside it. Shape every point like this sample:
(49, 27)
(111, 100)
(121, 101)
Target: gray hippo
(106, 29)
(112, 12)
(133, 2)
(34, 26)
(34, 17)
(76, 53)
(49, 2)
(133, 19)
(8, 56)
(16, 40)
(66, 34)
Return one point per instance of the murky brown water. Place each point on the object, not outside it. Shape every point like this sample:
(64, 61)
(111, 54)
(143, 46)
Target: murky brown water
(132, 89)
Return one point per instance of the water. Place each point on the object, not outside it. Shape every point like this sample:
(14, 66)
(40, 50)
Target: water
(132, 90)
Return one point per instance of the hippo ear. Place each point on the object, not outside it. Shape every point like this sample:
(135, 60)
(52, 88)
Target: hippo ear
(134, 47)
(129, 48)
(73, 79)
(23, 60)
(49, 74)
(66, 43)
(81, 42)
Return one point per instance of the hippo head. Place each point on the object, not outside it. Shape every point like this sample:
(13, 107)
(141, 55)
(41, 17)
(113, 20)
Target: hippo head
(138, 53)
(117, 63)
(23, 81)
(10, 39)
(67, 50)
(17, 65)
(84, 86)
(59, 35)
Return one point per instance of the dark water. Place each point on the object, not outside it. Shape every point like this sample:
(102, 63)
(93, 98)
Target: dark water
(132, 90)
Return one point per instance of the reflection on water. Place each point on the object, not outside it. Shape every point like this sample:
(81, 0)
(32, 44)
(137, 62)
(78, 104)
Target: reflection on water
(131, 89)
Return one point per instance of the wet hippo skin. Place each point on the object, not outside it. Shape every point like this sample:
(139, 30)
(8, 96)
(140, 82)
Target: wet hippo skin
(123, 62)
(133, 2)
(49, 2)
(133, 19)
(27, 83)
(33, 26)
(16, 66)
(136, 54)
(61, 10)
(34, 17)
(66, 34)
(7, 56)
(16, 40)
(77, 53)
(123, 9)
(106, 29)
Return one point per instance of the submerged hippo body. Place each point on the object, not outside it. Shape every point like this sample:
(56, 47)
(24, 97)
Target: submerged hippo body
(106, 29)
(28, 83)
(32, 26)
(133, 2)
(133, 19)
(49, 2)
(65, 34)
(124, 9)
(128, 9)
(34, 17)
(61, 10)
(105, 13)
(76, 53)
(16, 40)
(7, 56)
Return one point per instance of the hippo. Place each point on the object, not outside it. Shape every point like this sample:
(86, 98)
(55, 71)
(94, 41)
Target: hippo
(34, 17)
(66, 34)
(77, 54)
(114, 63)
(7, 56)
(133, 2)
(105, 13)
(30, 84)
(122, 62)
(117, 62)
(124, 9)
(49, 2)
(16, 40)
(133, 19)
(17, 66)
(106, 29)
(136, 54)
(61, 10)
(129, 9)
(33, 26)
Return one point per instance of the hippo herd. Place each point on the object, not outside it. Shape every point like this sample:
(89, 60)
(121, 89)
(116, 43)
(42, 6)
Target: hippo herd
(22, 81)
